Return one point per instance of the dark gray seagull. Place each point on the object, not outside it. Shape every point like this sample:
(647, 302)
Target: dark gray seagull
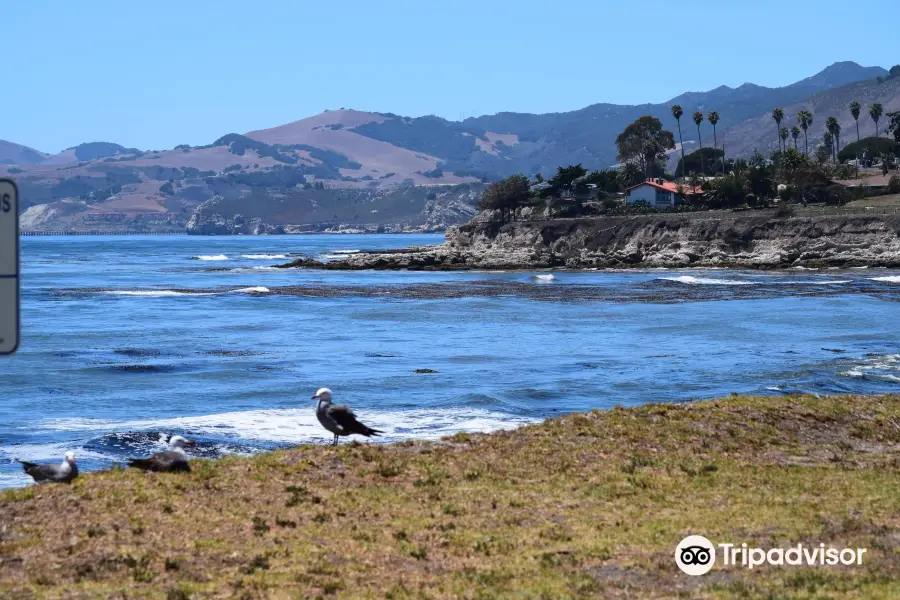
(62, 473)
(338, 418)
(173, 459)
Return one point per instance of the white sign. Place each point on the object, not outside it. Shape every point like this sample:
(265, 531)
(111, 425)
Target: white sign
(9, 267)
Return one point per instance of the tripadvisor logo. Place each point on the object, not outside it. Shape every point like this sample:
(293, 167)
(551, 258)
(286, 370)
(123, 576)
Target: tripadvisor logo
(696, 555)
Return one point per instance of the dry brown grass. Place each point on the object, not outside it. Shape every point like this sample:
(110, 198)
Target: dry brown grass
(585, 506)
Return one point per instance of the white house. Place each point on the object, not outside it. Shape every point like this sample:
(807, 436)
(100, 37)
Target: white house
(659, 193)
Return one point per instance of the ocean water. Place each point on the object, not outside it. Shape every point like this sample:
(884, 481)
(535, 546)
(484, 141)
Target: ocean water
(126, 340)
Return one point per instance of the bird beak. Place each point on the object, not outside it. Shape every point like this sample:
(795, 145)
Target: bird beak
(315, 397)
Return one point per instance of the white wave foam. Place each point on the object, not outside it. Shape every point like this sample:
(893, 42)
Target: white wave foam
(890, 279)
(298, 425)
(545, 278)
(876, 367)
(49, 452)
(16, 479)
(263, 256)
(867, 371)
(210, 257)
(691, 280)
(854, 372)
(252, 290)
(345, 251)
(823, 282)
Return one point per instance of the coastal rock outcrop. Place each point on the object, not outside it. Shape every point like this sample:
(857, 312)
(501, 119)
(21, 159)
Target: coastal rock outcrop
(650, 241)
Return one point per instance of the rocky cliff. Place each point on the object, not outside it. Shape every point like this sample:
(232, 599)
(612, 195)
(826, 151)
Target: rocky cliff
(656, 241)
(400, 209)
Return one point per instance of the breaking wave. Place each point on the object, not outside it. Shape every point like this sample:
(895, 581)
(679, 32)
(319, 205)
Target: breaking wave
(257, 289)
(299, 425)
(263, 256)
(876, 367)
(691, 280)
(210, 257)
(891, 279)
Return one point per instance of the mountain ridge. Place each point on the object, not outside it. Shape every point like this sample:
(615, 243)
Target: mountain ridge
(106, 184)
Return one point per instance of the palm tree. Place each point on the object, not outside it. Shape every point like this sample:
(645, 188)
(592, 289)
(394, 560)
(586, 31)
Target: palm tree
(795, 133)
(805, 118)
(677, 113)
(875, 111)
(827, 144)
(698, 118)
(783, 134)
(778, 115)
(834, 128)
(713, 118)
(854, 111)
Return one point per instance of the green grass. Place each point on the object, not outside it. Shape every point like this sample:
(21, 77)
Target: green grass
(585, 506)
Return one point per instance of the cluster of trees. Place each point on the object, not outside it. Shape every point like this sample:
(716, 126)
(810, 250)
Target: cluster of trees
(645, 143)
(573, 182)
(506, 195)
(791, 175)
(830, 147)
(717, 166)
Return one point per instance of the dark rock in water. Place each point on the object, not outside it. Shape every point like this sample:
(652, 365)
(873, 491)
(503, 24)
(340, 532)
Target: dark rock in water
(425, 371)
(835, 350)
(228, 353)
(303, 262)
(137, 352)
(142, 368)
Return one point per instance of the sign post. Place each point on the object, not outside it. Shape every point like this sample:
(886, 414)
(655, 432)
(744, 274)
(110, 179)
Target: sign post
(9, 267)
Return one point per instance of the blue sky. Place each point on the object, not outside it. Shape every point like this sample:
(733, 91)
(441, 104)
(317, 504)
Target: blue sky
(157, 74)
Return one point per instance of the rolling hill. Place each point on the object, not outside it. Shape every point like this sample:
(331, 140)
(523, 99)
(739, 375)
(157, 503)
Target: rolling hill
(322, 169)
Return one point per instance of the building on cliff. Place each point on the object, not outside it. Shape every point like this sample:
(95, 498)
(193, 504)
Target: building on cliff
(659, 193)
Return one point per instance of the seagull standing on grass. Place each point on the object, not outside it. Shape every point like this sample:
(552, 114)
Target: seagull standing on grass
(339, 419)
(173, 459)
(62, 473)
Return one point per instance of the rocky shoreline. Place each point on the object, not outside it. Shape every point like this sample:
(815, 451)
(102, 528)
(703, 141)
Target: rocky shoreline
(641, 242)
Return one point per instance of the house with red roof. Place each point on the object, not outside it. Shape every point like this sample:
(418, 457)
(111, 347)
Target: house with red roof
(659, 193)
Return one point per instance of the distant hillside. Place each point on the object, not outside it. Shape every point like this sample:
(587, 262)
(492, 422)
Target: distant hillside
(16, 154)
(103, 185)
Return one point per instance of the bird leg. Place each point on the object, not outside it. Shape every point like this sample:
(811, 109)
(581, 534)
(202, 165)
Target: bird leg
(335, 440)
